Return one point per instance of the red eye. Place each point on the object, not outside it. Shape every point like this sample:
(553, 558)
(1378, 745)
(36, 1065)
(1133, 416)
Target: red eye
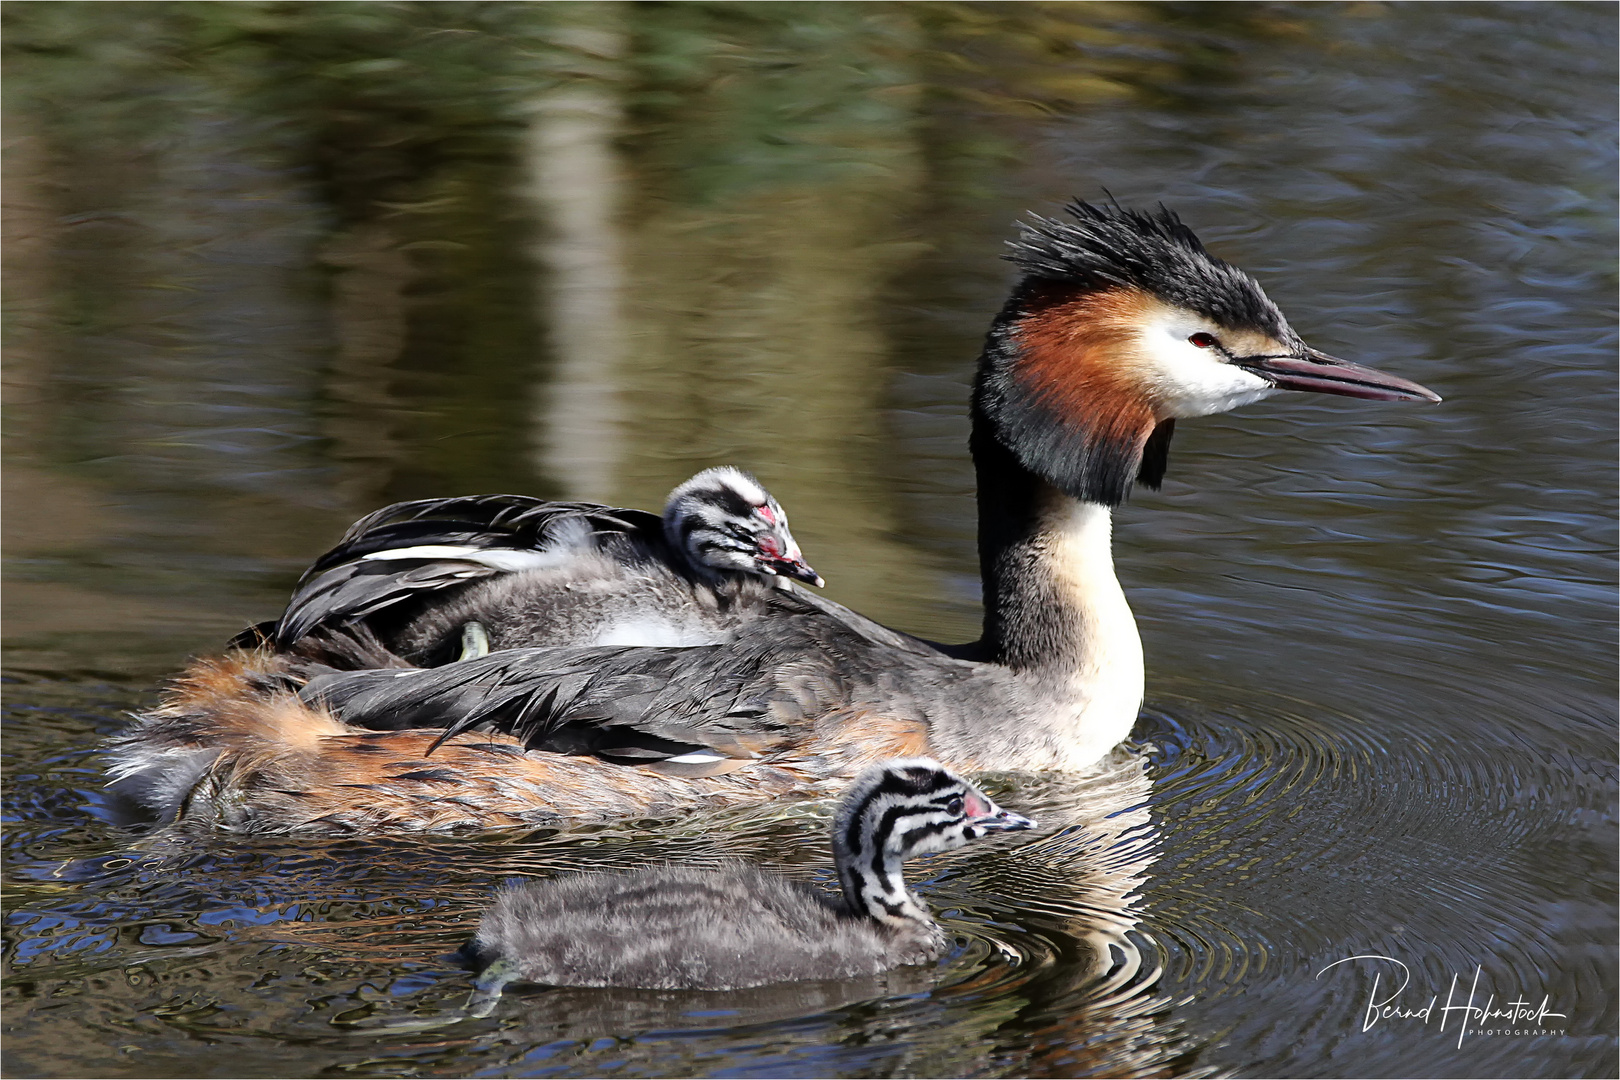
(1204, 341)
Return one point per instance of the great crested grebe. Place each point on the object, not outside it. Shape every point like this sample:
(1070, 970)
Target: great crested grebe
(677, 928)
(435, 580)
(1120, 324)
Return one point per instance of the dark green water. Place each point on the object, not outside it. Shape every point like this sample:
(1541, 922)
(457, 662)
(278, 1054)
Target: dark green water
(271, 266)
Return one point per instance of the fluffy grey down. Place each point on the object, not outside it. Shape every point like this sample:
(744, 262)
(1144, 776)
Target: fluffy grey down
(674, 928)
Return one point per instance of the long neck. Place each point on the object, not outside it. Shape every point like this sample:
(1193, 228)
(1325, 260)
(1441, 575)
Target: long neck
(874, 886)
(1053, 609)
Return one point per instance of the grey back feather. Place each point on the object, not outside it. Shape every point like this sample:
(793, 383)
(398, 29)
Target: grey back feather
(534, 573)
(675, 928)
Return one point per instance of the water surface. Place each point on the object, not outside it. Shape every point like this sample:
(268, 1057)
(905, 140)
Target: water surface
(271, 267)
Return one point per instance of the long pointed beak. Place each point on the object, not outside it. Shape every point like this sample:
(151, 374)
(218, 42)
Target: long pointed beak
(1003, 821)
(1329, 375)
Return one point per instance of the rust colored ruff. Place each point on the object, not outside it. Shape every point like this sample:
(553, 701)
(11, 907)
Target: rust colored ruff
(1076, 363)
(283, 766)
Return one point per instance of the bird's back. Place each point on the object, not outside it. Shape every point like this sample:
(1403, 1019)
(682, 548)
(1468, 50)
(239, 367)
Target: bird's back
(680, 928)
(528, 572)
(598, 598)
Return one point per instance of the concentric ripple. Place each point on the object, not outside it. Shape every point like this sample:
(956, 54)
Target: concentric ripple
(1289, 837)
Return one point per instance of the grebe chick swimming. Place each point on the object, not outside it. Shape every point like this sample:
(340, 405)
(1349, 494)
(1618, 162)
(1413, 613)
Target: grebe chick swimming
(1120, 324)
(677, 928)
(437, 580)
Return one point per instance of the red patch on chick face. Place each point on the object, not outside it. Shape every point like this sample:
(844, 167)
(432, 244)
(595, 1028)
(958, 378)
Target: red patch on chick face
(975, 807)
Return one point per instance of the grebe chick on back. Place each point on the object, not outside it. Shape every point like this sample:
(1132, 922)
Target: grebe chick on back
(436, 580)
(676, 928)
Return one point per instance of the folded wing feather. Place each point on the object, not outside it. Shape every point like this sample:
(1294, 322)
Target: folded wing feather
(407, 550)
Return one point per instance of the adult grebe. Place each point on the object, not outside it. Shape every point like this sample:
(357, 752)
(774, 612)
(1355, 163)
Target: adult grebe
(1120, 324)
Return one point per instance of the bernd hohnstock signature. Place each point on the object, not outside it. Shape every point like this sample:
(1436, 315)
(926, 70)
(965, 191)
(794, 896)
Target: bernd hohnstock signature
(1384, 1003)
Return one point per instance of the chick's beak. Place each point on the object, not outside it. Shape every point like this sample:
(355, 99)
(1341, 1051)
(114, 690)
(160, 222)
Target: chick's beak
(797, 569)
(999, 820)
(778, 554)
(1325, 374)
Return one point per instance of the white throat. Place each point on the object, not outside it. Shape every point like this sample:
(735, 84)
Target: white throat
(1103, 669)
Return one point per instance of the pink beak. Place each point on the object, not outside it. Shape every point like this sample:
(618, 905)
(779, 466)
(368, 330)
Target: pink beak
(1328, 375)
